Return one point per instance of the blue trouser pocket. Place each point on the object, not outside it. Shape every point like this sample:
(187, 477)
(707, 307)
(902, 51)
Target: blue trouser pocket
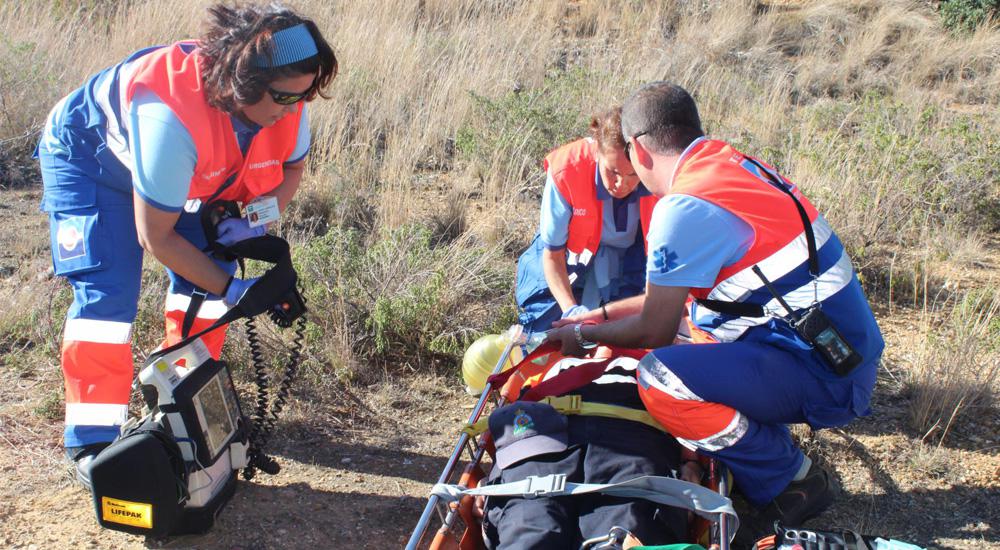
(77, 241)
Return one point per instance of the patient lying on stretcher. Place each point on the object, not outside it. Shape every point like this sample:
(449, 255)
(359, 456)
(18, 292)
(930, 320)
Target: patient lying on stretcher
(608, 439)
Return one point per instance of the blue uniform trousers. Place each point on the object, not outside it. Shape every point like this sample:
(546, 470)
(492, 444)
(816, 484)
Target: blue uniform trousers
(733, 401)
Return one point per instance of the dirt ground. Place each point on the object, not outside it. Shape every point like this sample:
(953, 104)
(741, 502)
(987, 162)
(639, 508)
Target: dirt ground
(356, 469)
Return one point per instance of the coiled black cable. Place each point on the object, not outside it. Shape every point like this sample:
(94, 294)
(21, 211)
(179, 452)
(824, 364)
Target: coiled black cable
(263, 421)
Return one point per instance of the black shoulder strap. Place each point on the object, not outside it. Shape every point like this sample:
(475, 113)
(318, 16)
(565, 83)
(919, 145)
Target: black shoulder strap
(741, 309)
(810, 236)
(198, 296)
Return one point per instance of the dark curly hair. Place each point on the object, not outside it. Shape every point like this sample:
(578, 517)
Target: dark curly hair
(238, 35)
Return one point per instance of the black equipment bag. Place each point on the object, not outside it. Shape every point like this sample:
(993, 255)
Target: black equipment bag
(140, 486)
(785, 538)
(140, 482)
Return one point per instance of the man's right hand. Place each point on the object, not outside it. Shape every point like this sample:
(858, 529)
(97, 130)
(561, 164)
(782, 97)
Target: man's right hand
(237, 288)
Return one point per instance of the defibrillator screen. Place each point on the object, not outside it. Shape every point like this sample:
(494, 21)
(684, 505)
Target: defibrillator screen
(216, 413)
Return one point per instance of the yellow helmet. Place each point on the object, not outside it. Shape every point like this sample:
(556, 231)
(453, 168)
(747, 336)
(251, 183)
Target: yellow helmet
(480, 359)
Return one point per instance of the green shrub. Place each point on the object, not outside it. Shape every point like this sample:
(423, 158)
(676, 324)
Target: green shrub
(396, 298)
(966, 15)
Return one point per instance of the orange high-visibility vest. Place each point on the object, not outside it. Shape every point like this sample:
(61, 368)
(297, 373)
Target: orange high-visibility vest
(174, 75)
(713, 171)
(572, 169)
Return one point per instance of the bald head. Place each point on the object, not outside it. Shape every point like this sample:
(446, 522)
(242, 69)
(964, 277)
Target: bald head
(663, 112)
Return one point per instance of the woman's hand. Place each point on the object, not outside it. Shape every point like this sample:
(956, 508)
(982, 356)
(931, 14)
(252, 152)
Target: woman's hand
(575, 311)
(234, 230)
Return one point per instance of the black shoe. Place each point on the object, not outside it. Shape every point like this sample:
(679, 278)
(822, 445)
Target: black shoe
(83, 458)
(801, 500)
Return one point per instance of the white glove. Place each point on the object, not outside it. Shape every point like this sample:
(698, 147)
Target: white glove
(575, 310)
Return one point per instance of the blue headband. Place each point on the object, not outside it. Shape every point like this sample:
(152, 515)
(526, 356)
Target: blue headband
(289, 46)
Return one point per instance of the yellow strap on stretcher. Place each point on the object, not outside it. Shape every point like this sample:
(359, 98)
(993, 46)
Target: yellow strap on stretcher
(574, 404)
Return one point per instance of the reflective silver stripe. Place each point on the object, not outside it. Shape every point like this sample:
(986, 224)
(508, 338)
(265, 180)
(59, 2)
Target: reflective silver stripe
(49, 142)
(732, 330)
(210, 309)
(615, 379)
(729, 435)
(96, 414)
(625, 363)
(117, 128)
(652, 372)
(115, 138)
(829, 283)
(582, 258)
(98, 332)
(741, 284)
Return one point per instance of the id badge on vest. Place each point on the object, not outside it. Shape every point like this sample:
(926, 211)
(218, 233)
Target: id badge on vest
(262, 210)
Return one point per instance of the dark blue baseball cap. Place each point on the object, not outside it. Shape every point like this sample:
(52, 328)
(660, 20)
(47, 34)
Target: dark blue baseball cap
(525, 429)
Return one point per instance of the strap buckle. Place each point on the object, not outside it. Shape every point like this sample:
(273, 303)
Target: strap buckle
(565, 404)
(543, 485)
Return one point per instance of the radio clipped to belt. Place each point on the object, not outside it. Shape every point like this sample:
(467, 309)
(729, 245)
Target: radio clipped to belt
(173, 470)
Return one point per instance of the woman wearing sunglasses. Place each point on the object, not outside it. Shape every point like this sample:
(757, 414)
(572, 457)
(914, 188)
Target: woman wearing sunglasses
(590, 247)
(129, 162)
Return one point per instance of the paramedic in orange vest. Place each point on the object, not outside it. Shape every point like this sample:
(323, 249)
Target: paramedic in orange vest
(129, 161)
(590, 246)
(750, 248)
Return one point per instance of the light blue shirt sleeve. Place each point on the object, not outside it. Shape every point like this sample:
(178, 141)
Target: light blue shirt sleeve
(303, 141)
(553, 229)
(691, 240)
(163, 153)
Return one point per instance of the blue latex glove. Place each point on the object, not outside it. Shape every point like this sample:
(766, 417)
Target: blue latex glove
(575, 310)
(234, 230)
(237, 289)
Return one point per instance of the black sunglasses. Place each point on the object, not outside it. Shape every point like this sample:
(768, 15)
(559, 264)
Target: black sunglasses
(287, 98)
(628, 145)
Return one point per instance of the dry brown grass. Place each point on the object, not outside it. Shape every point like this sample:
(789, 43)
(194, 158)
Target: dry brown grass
(887, 120)
(956, 368)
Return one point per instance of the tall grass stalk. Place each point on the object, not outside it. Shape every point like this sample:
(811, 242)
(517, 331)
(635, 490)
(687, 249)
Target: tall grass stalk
(956, 366)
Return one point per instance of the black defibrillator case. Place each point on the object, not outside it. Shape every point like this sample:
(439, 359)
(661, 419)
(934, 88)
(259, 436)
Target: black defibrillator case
(139, 482)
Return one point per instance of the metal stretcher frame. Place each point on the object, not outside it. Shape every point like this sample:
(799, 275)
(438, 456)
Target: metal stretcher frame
(475, 447)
